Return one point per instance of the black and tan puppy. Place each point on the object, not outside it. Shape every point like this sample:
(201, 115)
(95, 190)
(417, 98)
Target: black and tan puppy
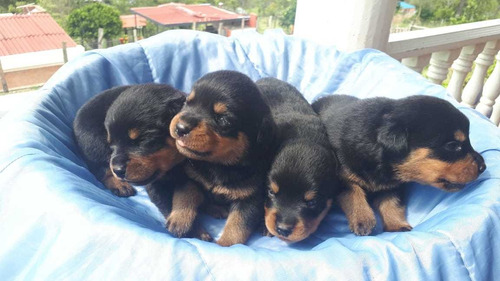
(302, 178)
(382, 143)
(225, 130)
(124, 138)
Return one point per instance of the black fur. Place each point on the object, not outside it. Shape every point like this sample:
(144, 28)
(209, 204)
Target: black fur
(377, 139)
(303, 163)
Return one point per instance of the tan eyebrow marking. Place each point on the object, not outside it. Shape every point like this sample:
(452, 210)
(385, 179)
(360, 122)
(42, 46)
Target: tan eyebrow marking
(133, 133)
(191, 96)
(274, 187)
(310, 195)
(220, 107)
(460, 136)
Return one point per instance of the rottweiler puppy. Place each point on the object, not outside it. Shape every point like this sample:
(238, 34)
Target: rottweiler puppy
(302, 178)
(123, 136)
(382, 143)
(225, 130)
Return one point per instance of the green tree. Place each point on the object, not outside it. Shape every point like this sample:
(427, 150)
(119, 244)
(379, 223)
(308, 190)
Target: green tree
(84, 22)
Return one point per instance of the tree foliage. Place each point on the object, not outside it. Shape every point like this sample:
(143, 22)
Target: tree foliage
(444, 12)
(84, 22)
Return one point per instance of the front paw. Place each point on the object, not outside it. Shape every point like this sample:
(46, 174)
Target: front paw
(179, 222)
(363, 225)
(123, 190)
(398, 227)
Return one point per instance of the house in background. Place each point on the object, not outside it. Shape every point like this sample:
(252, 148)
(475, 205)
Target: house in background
(214, 19)
(132, 24)
(31, 48)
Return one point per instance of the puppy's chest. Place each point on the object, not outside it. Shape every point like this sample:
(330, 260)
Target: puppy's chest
(229, 186)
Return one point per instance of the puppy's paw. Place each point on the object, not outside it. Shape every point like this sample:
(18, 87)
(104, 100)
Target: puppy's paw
(217, 211)
(179, 222)
(398, 227)
(123, 190)
(363, 225)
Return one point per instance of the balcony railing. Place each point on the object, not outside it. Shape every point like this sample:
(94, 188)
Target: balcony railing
(454, 50)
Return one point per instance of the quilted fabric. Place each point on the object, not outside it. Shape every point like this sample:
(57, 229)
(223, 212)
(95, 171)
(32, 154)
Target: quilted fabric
(59, 223)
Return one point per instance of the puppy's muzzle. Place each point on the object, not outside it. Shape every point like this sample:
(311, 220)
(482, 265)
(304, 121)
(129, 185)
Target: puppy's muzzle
(185, 125)
(119, 165)
(481, 166)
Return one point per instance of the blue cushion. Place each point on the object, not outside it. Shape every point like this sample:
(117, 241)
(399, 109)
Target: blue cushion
(58, 222)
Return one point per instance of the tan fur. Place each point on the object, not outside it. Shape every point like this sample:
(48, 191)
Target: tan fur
(108, 137)
(274, 187)
(141, 168)
(460, 136)
(220, 108)
(113, 183)
(392, 214)
(301, 230)
(185, 203)
(204, 140)
(191, 96)
(235, 230)
(421, 168)
(234, 194)
(357, 210)
(309, 195)
(133, 133)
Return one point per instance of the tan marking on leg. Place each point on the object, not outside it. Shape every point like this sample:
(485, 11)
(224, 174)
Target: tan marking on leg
(185, 203)
(235, 231)
(232, 194)
(392, 213)
(357, 210)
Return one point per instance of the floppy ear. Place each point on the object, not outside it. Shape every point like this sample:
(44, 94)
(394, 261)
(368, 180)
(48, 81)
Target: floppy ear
(393, 135)
(175, 105)
(266, 133)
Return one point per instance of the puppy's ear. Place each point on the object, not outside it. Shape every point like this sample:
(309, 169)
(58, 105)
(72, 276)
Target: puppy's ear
(266, 133)
(393, 135)
(175, 104)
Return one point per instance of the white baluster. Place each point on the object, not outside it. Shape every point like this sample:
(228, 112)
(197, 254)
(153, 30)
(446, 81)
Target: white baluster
(461, 67)
(417, 63)
(440, 65)
(491, 91)
(495, 115)
(474, 87)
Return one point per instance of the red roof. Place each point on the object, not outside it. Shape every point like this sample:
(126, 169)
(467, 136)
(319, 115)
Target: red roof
(31, 33)
(130, 21)
(177, 13)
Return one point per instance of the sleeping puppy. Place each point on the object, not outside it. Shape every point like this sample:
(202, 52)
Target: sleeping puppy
(302, 177)
(225, 130)
(124, 139)
(382, 143)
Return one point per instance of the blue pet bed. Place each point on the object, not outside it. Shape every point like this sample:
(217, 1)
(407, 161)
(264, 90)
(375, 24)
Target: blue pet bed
(59, 223)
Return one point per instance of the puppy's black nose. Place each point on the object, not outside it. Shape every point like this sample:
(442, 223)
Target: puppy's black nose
(120, 170)
(481, 166)
(284, 231)
(182, 129)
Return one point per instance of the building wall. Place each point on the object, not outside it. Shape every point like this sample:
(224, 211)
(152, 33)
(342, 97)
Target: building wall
(29, 77)
(33, 69)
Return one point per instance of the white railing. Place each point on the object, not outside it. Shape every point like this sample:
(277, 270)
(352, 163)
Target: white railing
(455, 49)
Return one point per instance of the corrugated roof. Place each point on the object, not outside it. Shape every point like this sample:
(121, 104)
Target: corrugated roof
(129, 21)
(177, 14)
(31, 33)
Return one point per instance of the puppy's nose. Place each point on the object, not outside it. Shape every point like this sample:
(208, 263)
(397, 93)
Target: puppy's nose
(481, 166)
(182, 129)
(284, 230)
(120, 170)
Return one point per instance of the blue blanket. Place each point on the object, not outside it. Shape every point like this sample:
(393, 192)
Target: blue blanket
(59, 223)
